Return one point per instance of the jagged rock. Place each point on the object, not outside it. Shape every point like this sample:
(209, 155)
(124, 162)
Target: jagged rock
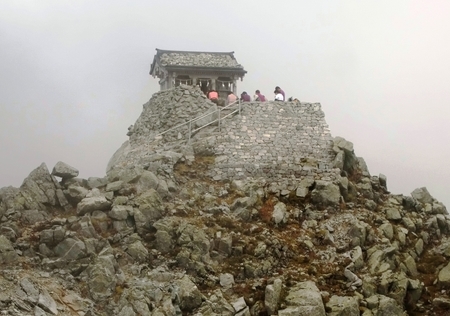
(114, 186)
(137, 251)
(76, 193)
(303, 187)
(442, 302)
(226, 280)
(96, 182)
(188, 294)
(216, 305)
(150, 205)
(388, 306)
(444, 276)
(422, 195)
(100, 220)
(272, 296)
(90, 204)
(101, 276)
(304, 298)
(47, 303)
(7, 252)
(343, 305)
(40, 189)
(279, 214)
(393, 214)
(147, 180)
(120, 212)
(326, 193)
(70, 249)
(64, 171)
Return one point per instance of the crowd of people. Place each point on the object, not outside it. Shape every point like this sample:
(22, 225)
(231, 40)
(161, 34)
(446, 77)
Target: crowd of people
(279, 95)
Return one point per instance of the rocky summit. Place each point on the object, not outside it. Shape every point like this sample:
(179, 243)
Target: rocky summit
(260, 213)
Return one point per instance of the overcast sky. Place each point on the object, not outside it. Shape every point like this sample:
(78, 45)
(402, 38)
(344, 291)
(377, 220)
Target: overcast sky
(74, 75)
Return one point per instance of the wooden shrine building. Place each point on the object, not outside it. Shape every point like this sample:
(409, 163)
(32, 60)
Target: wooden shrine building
(209, 70)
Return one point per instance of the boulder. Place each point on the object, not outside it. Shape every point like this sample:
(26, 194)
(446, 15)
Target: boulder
(188, 294)
(444, 276)
(101, 277)
(70, 249)
(343, 305)
(326, 193)
(422, 195)
(40, 189)
(272, 296)
(64, 171)
(150, 205)
(304, 298)
(7, 252)
(90, 204)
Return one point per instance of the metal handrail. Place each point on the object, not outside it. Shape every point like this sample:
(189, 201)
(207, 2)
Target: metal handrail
(238, 102)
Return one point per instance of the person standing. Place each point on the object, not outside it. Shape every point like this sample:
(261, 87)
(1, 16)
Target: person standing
(279, 90)
(260, 97)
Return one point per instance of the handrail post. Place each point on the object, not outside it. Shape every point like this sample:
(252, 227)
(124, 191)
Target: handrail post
(189, 139)
(219, 118)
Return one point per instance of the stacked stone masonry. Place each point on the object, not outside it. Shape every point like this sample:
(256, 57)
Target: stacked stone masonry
(276, 140)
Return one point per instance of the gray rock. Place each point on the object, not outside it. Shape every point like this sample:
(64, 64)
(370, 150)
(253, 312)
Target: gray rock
(226, 280)
(90, 204)
(101, 277)
(326, 193)
(39, 189)
(304, 298)
(343, 305)
(388, 306)
(422, 195)
(76, 193)
(393, 214)
(47, 303)
(188, 294)
(147, 180)
(444, 276)
(114, 186)
(7, 252)
(279, 214)
(30, 289)
(96, 182)
(272, 296)
(120, 212)
(150, 205)
(64, 171)
(239, 304)
(70, 249)
(138, 252)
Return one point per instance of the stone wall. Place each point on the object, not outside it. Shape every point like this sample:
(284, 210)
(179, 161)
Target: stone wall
(275, 140)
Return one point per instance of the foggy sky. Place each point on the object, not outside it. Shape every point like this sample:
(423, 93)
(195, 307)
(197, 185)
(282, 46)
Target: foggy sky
(74, 75)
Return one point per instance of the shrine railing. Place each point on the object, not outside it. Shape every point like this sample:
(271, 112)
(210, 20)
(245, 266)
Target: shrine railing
(234, 107)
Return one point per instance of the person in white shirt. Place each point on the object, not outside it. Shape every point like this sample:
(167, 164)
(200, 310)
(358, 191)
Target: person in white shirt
(279, 97)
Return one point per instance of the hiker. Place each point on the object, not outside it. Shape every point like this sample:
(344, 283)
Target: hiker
(231, 98)
(245, 97)
(279, 90)
(259, 97)
(278, 96)
(213, 96)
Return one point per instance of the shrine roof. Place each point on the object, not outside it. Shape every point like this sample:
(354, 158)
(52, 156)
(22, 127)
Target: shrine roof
(175, 59)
